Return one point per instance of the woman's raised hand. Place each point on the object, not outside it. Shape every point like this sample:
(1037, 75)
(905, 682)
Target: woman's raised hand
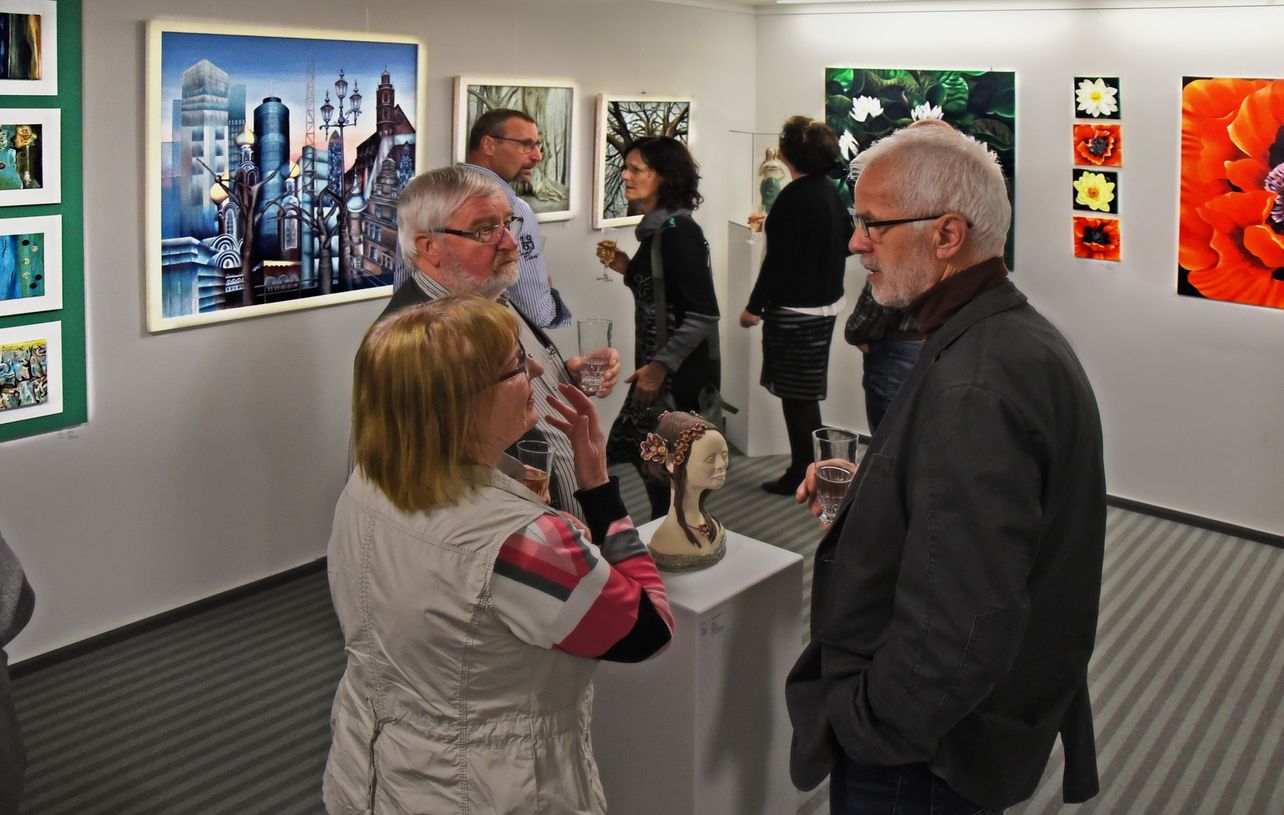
(578, 420)
(610, 256)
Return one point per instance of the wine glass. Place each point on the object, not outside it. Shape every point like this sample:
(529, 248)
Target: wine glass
(605, 255)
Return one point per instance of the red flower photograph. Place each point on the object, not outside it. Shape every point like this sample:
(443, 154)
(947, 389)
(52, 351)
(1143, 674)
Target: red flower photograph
(1100, 145)
(1231, 232)
(1096, 238)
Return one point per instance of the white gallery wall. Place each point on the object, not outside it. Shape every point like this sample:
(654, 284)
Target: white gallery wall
(213, 456)
(1190, 390)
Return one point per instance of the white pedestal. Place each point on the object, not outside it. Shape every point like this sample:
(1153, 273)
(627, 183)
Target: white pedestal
(702, 728)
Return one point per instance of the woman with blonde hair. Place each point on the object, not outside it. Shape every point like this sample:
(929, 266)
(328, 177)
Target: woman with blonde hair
(473, 614)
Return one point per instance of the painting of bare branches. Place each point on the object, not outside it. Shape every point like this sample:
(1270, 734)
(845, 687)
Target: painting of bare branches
(621, 120)
(551, 104)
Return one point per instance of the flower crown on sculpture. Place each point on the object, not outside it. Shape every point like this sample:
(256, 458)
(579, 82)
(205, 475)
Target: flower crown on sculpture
(655, 448)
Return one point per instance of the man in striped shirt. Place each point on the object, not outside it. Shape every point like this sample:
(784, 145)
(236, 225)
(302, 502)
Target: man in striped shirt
(458, 234)
(506, 145)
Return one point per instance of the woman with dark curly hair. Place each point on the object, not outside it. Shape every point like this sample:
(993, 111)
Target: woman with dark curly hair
(673, 353)
(799, 291)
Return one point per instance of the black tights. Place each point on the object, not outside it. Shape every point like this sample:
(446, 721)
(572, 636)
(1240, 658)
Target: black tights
(802, 416)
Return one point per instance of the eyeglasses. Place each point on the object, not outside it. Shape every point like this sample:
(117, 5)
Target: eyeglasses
(865, 225)
(529, 145)
(488, 234)
(523, 367)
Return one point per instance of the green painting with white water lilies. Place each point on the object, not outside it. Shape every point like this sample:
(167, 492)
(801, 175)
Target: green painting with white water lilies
(863, 105)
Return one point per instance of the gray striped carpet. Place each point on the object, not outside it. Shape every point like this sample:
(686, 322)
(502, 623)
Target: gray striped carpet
(226, 711)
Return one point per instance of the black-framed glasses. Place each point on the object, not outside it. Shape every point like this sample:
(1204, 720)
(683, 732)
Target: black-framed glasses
(529, 145)
(523, 367)
(488, 234)
(865, 225)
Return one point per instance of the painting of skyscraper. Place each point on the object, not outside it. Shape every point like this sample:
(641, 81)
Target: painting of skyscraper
(275, 160)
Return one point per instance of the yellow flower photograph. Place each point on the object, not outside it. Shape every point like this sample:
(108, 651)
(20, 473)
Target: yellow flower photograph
(1096, 191)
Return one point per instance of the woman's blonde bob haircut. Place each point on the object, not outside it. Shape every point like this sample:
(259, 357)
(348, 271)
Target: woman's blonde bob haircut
(418, 386)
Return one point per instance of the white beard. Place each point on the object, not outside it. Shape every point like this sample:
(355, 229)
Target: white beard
(460, 282)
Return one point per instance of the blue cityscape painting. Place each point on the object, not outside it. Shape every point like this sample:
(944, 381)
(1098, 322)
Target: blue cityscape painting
(280, 162)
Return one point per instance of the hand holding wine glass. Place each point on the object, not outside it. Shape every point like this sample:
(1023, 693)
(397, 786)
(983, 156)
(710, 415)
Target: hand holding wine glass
(610, 256)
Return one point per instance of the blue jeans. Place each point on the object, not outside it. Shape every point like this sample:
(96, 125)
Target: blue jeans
(909, 789)
(887, 364)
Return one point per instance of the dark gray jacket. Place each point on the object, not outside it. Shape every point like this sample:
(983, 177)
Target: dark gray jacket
(954, 607)
(16, 604)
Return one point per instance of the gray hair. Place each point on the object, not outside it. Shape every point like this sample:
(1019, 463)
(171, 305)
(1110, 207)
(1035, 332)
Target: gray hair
(939, 169)
(430, 199)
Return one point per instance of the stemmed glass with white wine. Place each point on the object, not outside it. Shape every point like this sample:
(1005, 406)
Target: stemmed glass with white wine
(605, 255)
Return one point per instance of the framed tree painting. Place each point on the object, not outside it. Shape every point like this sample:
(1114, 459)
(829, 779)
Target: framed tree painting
(551, 103)
(28, 48)
(30, 156)
(274, 162)
(1231, 227)
(30, 371)
(863, 105)
(620, 121)
(30, 265)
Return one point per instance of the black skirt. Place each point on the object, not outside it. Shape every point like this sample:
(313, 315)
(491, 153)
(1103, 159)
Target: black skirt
(795, 354)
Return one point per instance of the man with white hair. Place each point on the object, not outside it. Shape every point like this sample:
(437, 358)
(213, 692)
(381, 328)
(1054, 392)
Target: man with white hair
(955, 599)
(457, 231)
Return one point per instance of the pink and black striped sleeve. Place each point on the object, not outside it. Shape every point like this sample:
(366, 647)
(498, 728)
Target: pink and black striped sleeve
(555, 589)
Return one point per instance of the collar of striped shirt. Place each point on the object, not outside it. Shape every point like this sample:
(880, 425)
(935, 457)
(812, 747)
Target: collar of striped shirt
(437, 291)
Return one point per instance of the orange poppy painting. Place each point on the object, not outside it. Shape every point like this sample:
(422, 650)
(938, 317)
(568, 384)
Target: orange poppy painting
(1096, 238)
(1098, 144)
(1231, 233)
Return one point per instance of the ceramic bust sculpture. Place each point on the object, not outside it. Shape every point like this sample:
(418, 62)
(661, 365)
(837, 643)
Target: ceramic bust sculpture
(773, 175)
(693, 454)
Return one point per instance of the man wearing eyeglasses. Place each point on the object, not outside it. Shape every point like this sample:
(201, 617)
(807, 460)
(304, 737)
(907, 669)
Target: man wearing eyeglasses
(506, 145)
(954, 601)
(456, 230)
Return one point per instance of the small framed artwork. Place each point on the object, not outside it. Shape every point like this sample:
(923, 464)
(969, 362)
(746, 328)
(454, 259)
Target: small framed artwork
(30, 265)
(30, 371)
(620, 121)
(275, 158)
(30, 141)
(545, 181)
(1096, 238)
(28, 48)
(1096, 191)
(1096, 97)
(1099, 145)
